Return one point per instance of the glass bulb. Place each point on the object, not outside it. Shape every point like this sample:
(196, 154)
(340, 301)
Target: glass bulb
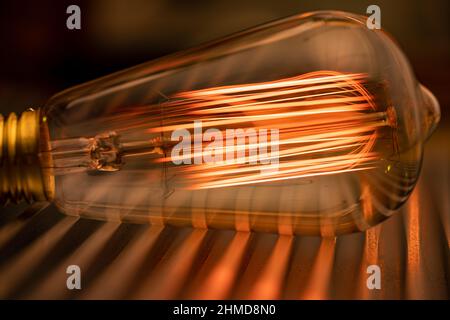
(312, 124)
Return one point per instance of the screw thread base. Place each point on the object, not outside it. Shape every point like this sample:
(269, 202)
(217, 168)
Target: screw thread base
(21, 176)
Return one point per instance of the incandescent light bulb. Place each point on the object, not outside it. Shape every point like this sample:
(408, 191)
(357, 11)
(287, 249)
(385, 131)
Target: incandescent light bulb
(312, 124)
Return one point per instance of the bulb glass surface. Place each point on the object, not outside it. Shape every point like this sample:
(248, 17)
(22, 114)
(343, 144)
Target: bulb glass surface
(343, 109)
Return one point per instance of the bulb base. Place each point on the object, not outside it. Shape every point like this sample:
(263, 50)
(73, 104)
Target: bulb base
(22, 142)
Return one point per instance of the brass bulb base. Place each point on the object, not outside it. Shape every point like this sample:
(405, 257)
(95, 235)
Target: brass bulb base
(23, 142)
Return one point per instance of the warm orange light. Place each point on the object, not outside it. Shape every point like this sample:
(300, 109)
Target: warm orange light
(327, 124)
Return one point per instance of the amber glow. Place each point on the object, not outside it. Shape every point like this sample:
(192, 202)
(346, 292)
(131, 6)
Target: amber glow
(327, 124)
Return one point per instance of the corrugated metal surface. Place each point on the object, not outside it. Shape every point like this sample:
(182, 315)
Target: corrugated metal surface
(135, 261)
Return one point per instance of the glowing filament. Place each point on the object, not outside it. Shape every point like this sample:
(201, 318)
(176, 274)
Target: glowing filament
(327, 124)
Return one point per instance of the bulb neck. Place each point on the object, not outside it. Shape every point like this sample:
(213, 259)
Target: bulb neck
(22, 142)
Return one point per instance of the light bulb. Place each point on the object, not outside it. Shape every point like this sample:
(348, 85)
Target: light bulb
(312, 124)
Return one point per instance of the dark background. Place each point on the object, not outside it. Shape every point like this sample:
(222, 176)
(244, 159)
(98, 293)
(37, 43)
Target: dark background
(39, 56)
